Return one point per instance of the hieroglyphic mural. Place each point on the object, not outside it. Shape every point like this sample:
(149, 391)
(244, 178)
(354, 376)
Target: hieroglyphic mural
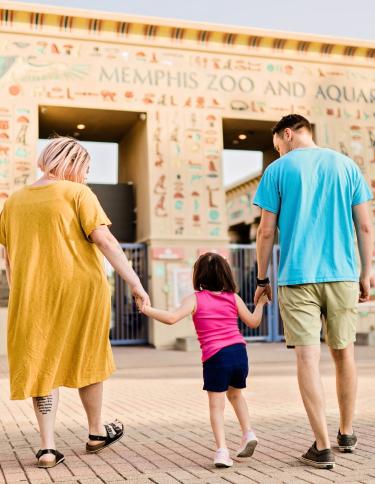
(17, 145)
(186, 80)
(185, 95)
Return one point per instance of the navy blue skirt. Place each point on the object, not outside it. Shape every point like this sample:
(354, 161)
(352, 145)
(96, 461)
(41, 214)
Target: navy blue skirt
(228, 367)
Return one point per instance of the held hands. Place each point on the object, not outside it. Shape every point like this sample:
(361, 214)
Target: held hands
(142, 308)
(267, 291)
(263, 300)
(141, 297)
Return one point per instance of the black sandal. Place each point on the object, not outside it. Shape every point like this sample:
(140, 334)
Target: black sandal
(115, 432)
(58, 458)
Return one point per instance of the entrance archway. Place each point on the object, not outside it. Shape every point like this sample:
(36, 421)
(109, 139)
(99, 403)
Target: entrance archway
(121, 200)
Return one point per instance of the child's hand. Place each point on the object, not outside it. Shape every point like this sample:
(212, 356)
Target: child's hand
(263, 299)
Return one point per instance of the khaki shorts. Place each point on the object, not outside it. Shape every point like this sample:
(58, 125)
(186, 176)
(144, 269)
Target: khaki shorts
(305, 307)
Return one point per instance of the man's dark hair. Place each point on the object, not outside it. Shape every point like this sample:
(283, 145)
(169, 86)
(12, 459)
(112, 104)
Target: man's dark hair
(292, 121)
(212, 272)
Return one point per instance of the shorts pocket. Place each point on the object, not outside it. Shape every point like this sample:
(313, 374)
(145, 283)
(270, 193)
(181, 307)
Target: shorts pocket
(344, 295)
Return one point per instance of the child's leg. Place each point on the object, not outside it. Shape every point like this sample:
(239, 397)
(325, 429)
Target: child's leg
(217, 404)
(239, 405)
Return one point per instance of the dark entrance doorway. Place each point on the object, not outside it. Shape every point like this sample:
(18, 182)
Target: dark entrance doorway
(250, 137)
(248, 150)
(118, 203)
(125, 130)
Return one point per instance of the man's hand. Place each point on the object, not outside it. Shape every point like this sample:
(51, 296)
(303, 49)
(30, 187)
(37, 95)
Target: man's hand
(263, 300)
(364, 286)
(267, 290)
(141, 297)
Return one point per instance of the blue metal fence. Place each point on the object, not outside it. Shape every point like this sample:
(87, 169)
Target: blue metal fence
(244, 265)
(129, 326)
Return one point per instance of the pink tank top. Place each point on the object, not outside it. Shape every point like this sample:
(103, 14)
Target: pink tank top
(216, 322)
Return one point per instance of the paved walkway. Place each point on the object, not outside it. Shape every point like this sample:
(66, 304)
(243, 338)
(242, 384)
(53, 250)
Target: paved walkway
(158, 396)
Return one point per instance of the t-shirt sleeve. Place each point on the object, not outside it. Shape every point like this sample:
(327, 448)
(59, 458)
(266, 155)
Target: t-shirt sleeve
(3, 240)
(267, 195)
(90, 212)
(362, 192)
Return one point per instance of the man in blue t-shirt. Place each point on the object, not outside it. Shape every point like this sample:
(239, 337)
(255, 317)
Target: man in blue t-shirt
(316, 197)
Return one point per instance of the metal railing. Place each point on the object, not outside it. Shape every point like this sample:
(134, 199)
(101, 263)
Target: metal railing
(129, 326)
(244, 265)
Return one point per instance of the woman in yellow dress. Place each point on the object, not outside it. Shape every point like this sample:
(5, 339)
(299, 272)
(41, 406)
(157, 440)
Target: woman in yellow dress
(55, 234)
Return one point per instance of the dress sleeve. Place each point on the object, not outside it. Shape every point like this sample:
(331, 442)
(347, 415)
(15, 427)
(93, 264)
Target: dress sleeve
(267, 195)
(90, 212)
(3, 240)
(362, 192)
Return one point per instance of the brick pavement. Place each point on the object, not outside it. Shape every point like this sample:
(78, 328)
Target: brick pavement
(168, 439)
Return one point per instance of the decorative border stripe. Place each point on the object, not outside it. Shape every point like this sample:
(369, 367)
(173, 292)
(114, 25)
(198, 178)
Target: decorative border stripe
(254, 41)
(150, 31)
(279, 44)
(203, 36)
(6, 17)
(95, 26)
(326, 49)
(23, 18)
(123, 29)
(229, 39)
(66, 23)
(178, 33)
(36, 20)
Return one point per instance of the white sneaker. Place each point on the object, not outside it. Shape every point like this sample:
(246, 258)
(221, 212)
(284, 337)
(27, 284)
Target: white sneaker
(222, 458)
(248, 443)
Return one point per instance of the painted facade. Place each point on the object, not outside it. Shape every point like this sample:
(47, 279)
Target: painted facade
(186, 78)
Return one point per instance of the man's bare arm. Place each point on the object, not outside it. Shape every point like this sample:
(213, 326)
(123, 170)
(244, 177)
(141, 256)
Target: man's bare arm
(265, 240)
(364, 230)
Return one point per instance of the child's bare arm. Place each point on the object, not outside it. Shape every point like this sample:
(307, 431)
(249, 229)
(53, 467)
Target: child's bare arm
(172, 317)
(252, 320)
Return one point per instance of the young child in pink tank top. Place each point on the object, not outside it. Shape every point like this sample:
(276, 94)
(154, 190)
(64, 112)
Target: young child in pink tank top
(215, 308)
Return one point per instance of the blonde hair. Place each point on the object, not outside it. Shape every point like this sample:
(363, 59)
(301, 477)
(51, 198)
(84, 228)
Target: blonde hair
(65, 159)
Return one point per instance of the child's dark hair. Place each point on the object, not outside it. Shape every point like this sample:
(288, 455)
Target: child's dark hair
(212, 272)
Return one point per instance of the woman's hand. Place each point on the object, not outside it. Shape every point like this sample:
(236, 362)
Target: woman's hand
(141, 297)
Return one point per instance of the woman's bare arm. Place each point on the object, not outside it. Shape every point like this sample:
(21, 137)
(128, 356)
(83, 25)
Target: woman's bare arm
(112, 251)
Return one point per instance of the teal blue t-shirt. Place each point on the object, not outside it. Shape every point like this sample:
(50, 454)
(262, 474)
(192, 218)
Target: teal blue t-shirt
(313, 190)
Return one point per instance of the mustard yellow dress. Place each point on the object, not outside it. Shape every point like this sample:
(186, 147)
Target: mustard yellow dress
(59, 303)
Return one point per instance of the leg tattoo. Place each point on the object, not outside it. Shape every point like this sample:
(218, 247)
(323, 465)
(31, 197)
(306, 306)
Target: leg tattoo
(44, 404)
